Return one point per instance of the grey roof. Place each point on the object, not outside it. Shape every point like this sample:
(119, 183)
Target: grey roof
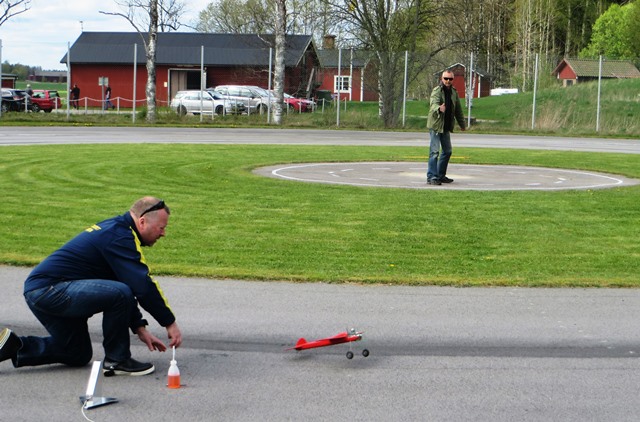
(329, 57)
(590, 68)
(184, 48)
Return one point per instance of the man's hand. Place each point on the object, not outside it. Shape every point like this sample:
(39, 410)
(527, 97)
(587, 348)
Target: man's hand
(152, 342)
(174, 334)
(442, 108)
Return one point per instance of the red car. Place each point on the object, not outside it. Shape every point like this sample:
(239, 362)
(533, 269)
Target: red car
(44, 99)
(298, 104)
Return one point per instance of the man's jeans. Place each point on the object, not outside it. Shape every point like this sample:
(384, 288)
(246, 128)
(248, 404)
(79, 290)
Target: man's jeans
(438, 162)
(64, 309)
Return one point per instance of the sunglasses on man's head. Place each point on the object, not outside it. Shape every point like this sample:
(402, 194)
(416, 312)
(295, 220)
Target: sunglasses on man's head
(159, 206)
(448, 79)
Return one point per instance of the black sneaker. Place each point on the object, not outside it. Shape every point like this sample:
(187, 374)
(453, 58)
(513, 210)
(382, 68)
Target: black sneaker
(9, 344)
(433, 182)
(127, 367)
(445, 179)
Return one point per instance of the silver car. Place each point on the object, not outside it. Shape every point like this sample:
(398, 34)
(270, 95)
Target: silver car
(256, 98)
(205, 102)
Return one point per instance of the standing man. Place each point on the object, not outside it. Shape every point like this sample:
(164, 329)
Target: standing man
(444, 108)
(75, 96)
(107, 97)
(101, 270)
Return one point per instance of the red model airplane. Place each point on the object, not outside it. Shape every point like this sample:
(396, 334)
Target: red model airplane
(344, 337)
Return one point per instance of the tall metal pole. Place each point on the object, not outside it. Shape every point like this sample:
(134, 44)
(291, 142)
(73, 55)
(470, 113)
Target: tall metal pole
(599, 88)
(338, 86)
(269, 88)
(470, 95)
(68, 79)
(202, 85)
(535, 90)
(404, 92)
(135, 74)
(0, 78)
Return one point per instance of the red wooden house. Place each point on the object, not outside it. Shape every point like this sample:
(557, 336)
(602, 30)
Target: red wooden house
(241, 59)
(572, 71)
(481, 81)
(346, 72)
(8, 80)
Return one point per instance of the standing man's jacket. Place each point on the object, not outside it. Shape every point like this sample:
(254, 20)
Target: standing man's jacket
(435, 119)
(110, 250)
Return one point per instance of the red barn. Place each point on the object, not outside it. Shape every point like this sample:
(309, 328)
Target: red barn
(572, 71)
(8, 80)
(241, 59)
(481, 81)
(348, 72)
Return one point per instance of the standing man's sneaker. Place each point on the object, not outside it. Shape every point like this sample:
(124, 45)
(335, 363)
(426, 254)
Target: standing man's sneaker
(9, 344)
(445, 179)
(433, 182)
(127, 367)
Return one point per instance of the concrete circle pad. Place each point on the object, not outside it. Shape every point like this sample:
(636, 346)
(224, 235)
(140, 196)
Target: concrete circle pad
(466, 176)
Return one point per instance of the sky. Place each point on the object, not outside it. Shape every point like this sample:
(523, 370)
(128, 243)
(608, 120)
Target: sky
(39, 36)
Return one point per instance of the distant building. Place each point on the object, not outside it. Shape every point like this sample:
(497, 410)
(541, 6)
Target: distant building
(573, 71)
(49, 76)
(481, 81)
(241, 59)
(356, 78)
(9, 80)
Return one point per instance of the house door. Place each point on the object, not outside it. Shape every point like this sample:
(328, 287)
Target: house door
(181, 79)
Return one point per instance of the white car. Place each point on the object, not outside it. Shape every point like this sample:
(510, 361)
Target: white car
(205, 102)
(256, 98)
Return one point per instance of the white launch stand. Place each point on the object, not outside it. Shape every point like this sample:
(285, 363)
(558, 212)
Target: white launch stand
(93, 397)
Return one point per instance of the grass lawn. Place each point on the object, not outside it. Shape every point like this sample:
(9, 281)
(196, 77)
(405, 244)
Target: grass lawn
(227, 222)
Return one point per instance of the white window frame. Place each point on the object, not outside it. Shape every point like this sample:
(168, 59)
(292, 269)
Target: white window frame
(343, 82)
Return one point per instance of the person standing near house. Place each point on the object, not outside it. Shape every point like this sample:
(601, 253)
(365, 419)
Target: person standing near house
(444, 111)
(29, 90)
(107, 98)
(75, 96)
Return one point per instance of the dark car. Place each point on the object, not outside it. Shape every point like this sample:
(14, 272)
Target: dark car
(14, 100)
(46, 100)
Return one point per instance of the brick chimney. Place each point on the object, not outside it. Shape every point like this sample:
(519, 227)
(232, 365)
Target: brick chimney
(329, 42)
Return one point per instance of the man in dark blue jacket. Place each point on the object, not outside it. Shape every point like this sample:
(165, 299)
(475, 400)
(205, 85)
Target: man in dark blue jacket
(101, 270)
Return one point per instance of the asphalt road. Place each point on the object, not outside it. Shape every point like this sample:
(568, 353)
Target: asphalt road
(72, 135)
(437, 353)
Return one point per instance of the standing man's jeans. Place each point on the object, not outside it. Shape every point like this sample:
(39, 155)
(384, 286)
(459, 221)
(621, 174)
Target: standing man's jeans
(64, 309)
(438, 162)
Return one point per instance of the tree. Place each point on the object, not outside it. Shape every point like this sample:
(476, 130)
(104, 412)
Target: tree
(148, 13)
(279, 70)
(303, 17)
(11, 8)
(235, 17)
(614, 33)
(391, 28)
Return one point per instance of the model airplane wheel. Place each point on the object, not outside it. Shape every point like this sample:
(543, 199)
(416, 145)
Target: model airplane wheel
(365, 352)
(349, 354)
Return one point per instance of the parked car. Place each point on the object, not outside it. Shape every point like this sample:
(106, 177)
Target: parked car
(14, 100)
(255, 98)
(190, 102)
(299, 105)
(46, 100)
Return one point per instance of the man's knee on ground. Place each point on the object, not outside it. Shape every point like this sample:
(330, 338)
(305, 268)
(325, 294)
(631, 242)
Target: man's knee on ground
(78, 361)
